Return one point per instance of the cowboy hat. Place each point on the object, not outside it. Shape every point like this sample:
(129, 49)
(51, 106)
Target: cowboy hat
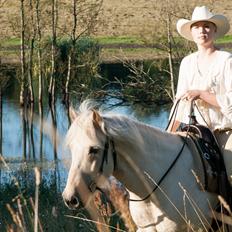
(203, 14)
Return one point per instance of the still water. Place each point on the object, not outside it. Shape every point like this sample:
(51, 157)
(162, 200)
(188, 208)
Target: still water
(12, 144)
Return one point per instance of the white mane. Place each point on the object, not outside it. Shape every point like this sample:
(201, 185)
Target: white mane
(123, 127)
(116, 125)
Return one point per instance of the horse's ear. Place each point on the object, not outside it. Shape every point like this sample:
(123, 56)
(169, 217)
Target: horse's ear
(97, 119)
(72, 114)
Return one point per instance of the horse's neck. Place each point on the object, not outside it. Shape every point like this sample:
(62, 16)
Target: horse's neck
(153, 154)
(155, 145)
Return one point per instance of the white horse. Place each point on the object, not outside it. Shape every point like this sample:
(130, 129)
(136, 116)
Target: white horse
(139, 156)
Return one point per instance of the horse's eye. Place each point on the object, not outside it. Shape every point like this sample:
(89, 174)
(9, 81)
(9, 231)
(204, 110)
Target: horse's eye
(93, 150)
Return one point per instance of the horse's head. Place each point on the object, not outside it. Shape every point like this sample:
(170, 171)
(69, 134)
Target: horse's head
(91, 160)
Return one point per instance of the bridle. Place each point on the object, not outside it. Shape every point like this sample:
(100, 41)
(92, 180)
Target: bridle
(93, 186)
(105, 154)
(109, 141)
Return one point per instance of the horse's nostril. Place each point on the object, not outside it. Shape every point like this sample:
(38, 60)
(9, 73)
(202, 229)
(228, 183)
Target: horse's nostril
(73, 203)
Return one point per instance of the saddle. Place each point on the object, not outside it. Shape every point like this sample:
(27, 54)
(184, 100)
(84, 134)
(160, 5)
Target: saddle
(215, 176)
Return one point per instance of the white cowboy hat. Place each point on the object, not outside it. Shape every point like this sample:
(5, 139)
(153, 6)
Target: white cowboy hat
(203, 14)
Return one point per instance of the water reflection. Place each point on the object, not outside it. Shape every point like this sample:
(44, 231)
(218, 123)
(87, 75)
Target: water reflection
(153, 115)
(31, 135)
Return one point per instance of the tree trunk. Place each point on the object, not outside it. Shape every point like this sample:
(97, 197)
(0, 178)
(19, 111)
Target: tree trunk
(170, 57)
(66, 93)
(39, 49)
(1, 122)
(51, 89)
(30, 65)
(30, 72)
(73, 39)
(22, 57)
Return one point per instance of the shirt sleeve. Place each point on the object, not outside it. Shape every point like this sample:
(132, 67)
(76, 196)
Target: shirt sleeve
(182, 85)
(224, 97)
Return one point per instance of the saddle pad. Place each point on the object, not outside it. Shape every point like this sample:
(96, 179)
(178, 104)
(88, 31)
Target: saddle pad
(198, 171)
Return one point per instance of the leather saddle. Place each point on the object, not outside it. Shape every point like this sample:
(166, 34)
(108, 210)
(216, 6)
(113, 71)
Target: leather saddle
(215, 176)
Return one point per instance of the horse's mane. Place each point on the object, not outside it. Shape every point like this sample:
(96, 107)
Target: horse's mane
(116, 125)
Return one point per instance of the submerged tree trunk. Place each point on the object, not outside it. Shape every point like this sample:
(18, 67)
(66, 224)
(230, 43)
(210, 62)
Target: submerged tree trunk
(41, 130)
(24, 132)
(22, 57)
(31, 132)
(39, 49)
(54, 130)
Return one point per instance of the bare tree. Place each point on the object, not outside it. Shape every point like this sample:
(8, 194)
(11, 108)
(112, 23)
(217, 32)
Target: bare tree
(22, 57)
(73, 39)
(170, 56)
(31, 51)
(51, 89)
(39, 49)
(87, 11)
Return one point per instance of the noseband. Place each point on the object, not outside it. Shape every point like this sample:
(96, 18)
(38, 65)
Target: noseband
(93, 186)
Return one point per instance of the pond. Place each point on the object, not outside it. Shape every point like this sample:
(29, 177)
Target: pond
(31, 139)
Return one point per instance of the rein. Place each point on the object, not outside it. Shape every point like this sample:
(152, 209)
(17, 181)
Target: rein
(165, 174)
(174, 112)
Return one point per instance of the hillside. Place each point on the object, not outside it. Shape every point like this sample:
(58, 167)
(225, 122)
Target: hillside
(116, 17)
(138, 17)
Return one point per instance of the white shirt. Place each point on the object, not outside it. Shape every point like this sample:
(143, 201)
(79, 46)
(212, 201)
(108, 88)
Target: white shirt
(218, 80)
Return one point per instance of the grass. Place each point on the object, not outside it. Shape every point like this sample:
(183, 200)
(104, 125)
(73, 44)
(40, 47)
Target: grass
(118, 55)
(113, 52)
(119, 40)
(10, 42)
(109, 40)
(225, 39)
